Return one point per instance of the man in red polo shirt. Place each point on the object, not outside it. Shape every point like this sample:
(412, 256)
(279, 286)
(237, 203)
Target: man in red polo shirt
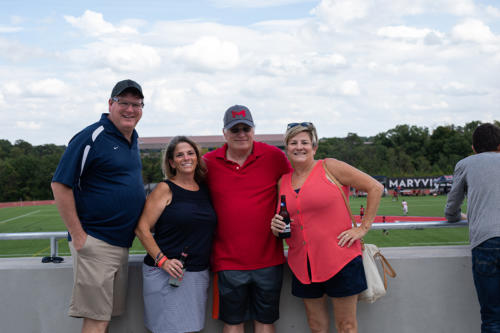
(248, 259)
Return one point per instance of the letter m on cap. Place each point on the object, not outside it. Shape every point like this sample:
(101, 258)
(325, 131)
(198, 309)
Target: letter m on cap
(240, 113)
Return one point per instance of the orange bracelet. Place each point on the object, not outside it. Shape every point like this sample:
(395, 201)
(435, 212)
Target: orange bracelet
(162, 261)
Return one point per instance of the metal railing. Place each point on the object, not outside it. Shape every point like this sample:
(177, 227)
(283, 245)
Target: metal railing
(56, 235)
(418, 225)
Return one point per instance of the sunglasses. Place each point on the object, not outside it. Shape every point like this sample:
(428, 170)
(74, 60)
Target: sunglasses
(235, 129)
(55, 260)
(303, 124)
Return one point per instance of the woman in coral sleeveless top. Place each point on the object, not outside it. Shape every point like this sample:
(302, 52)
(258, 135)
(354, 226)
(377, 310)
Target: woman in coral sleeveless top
(324, 250)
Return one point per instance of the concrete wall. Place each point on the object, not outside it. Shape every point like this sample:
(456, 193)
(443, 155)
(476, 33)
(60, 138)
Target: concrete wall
(433, 292)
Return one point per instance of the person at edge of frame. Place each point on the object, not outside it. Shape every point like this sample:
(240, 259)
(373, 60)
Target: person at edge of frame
(478, 178)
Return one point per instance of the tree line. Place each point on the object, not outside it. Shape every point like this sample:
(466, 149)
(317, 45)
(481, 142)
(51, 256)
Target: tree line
(404, 151)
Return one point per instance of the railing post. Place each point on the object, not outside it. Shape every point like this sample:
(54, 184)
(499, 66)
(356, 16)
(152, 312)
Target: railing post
(53, 247)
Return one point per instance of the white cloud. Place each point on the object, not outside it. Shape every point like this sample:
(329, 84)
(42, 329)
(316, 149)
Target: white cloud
(46, 87)
(433, 38)
(473, 30)
(209, 53)
(168, 100)
(93, 24)
(121, 57)
(131, 57)
(206, 88)
(405, 32)
(255, 3)
(493, 11)
(324, 63)
(455, 88)
(430, 106)
(278, 65)
(6, 29)
(353, 66)
(12, 89)
(338, 12)
(17, 52)
(28, 125)
(349, 88)
(15, 19)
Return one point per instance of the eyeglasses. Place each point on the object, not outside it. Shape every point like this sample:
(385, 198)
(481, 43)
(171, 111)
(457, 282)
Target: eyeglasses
(125, 105)
(236, 130)
(304, 124)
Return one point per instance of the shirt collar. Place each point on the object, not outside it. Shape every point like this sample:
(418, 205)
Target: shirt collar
(111, 128)
(256, 152)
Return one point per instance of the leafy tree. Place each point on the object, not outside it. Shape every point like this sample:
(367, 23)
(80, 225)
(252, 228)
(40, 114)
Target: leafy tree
(5, 148)
(8, 181)
(26, 170)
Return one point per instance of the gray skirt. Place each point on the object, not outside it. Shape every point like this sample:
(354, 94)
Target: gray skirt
(170, 309)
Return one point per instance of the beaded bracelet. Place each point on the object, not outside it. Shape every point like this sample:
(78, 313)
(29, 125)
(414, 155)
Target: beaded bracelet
(158, 257)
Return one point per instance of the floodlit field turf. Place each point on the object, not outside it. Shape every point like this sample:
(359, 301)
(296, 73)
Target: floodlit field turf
(46, 218)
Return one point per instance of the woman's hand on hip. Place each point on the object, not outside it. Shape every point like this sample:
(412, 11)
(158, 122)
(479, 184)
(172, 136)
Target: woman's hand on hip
(349, 236)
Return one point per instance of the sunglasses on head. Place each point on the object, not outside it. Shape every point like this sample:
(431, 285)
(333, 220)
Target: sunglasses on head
(236, 129)
(303, 124)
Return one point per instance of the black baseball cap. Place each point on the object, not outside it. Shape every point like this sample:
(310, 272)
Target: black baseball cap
(237, 114)
(125, 84)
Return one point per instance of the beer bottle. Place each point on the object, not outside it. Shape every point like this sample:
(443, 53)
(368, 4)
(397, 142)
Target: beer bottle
(175, 282)
(286, 218)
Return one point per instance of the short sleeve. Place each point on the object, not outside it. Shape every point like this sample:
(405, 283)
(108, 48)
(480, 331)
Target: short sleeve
(69, 167)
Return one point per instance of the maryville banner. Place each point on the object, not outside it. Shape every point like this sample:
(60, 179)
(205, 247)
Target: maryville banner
(412, 182)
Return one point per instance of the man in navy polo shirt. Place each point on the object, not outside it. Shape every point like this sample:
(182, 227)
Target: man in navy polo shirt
(99, 193)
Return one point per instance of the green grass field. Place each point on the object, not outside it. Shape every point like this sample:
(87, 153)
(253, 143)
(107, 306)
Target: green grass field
(46, 218)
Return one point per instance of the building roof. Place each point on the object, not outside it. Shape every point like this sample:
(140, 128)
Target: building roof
(206, 141)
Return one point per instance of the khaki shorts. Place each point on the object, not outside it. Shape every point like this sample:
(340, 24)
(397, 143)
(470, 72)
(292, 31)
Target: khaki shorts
(100, 273)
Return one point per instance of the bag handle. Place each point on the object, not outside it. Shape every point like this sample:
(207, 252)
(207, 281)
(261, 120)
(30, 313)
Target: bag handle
(339, 185)
(388, 270)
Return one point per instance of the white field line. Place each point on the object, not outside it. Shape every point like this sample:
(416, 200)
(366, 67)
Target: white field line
(20, 216)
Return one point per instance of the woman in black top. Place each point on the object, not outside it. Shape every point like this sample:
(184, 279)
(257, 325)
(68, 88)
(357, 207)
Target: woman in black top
(180, 212)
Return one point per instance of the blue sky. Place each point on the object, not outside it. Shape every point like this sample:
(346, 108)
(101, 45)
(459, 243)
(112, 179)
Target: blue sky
(361, 66)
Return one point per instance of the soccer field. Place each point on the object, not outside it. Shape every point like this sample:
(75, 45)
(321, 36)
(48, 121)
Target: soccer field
(46, 218)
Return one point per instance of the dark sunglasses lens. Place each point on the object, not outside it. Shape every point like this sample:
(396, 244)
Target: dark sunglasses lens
(304, 124)
(238, 129)
(57, 260)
